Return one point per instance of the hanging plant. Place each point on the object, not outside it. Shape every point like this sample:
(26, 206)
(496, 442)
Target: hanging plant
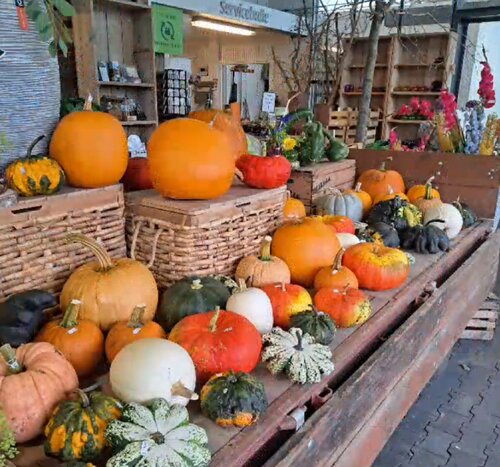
(49, 17)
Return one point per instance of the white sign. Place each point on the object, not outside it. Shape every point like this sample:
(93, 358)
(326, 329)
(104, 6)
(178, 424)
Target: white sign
(268, 102)
(245, 13)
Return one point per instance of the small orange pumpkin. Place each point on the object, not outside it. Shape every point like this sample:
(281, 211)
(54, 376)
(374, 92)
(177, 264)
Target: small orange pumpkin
(294, 209)
(79, 340)
(340, 224)
(91, 147)
(189, 159)
(364, 197)
(377, 181)
(429, 200)
(126, 332)
(391, 194)
(347, 307)
(419, 191)
(306, 247)
(336, 276)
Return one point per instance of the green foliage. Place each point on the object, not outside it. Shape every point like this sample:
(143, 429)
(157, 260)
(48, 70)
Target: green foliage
(7, 441)
(75, 104)
(48, 16)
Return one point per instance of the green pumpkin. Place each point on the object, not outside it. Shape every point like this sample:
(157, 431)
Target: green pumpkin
(233, 399)
(191, 296)
(468, 215)
(157, 434)
(315, 323)
(35, 175)
(75, 431)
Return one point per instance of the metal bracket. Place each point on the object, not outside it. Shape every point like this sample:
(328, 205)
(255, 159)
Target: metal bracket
(294, 420)
(428, 291)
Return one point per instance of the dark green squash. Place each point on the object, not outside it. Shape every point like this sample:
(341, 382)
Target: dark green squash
(191, 296)
(75, 431)
(468, 215)
(425, 239)
(233, 399)
(22, 315)
(385, 232)
(315, 323)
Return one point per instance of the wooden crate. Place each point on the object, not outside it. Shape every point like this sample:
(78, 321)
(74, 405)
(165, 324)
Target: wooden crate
(310, 183)
(343, 123)
(33, 250)
(482, 325)
(184, 238)
(475, 179)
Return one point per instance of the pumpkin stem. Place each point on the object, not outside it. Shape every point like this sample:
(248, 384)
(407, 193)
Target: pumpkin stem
(428, 191)
(430, 180)
(9, 355)
(33, 144)
(282, 286)
(213, 321)
(299, 340)
(178, 389)
(357, 188)
(103, 258)
(88, 103)
(337, 262)
(242, 285)
(196, 284)
(265, 249)
(383, 164)
(83, 397)
(70, 318)
(136, 317)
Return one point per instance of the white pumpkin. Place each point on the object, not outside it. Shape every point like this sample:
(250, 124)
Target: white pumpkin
(346, 240)
(152, 368)
(453, 221)
(254, 305)
(340, 204)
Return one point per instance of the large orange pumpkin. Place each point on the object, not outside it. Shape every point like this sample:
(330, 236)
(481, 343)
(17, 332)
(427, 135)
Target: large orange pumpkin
(188, 159)
(347, 307)
(377, 181)
(306, 247)
(287, 300)
(228, 124)
(377, 267)
(91, 147)
(218, 341)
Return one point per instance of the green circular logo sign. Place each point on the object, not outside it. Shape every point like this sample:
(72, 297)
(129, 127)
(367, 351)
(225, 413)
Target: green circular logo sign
(167, 30)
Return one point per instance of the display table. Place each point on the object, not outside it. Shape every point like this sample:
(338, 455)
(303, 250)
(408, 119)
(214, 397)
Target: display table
(381, 367)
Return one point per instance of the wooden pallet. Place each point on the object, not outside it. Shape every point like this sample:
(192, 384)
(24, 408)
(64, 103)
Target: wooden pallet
(482, 325)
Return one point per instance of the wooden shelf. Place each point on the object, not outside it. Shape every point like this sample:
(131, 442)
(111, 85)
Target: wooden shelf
(419, 65)
(129, 4)
(359, 93)
(140, 123)
(407, 122)
(125, 85)
(377, 65)
(415, 93)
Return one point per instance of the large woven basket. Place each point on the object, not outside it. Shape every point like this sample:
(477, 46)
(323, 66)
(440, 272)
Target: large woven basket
(183, 238)
(33, 249)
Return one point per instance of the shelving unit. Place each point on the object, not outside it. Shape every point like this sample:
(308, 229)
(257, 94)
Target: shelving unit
(408, 62)
(122, 31)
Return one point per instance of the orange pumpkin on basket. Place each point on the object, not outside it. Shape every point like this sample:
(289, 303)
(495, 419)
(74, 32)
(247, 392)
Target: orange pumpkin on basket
(79, 340)
(287, 300)
(391, 194)
(336, 276)
(340, 224)
(294, 208)
(189, 159)
(364, 197)
(417, 192)
(137, 175)
(34, 378)
(228, 124)
(306, 247)
(126, 332)
(218, 341)
(377, 181)
(347, 307)
(377, 267)
(91, 147)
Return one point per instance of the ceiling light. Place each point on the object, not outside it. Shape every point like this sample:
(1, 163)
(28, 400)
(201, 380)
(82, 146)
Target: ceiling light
(222, 27)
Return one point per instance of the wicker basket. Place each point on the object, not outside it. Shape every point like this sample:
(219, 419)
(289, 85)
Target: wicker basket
(33, 250)
(182, 238)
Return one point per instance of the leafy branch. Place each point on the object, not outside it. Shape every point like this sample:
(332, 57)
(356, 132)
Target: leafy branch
(7, 441)
(49, 16)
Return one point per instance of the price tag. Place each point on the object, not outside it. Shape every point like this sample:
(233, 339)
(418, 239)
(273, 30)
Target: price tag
(268, 102)
(21, 14)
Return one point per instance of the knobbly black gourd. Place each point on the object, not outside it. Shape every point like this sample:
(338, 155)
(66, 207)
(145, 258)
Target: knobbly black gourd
(386, 232)
(22, 316)
(425, 239)
(396, 212)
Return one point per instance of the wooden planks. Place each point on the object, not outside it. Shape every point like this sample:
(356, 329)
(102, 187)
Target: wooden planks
(352, 427)
(483, 323)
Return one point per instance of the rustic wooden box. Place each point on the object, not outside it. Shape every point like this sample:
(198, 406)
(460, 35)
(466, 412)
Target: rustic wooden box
(310, 183)
(182, 238)
(476, 179)
(33, 250)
